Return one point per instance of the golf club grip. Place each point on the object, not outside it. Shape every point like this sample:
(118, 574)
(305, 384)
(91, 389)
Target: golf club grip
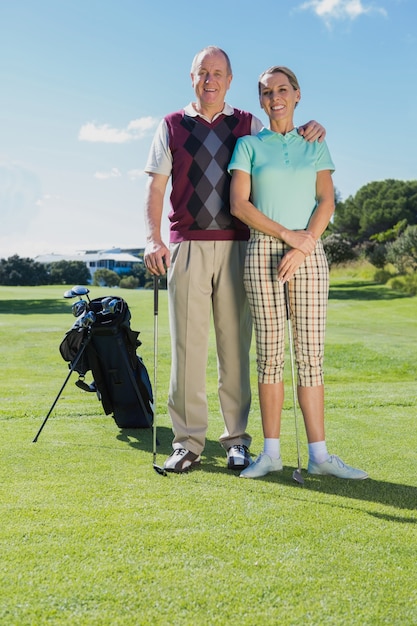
(155, 294)
(287, 300)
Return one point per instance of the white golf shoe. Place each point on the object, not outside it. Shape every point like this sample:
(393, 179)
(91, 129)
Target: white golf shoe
(262, 466)
(334, 466)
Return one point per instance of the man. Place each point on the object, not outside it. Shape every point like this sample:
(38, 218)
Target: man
(205, 260)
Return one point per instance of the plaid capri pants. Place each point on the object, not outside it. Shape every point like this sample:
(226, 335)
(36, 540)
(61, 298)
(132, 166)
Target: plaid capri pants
(309, 290)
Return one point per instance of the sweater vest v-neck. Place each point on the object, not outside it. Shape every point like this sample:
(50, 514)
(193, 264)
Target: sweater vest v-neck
(201, 152)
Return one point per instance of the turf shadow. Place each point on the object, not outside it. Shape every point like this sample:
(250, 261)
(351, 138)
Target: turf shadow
(370, 490)
(142, 439)
(35, 307)
(213, 460)
(363, 291)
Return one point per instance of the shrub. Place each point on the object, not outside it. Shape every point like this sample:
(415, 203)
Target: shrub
(382, 276)
(403, 252)
(338, 249)
(404, 284)
(377, 254)
(129, 282)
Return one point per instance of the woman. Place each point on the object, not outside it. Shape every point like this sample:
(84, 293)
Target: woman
(282, 189)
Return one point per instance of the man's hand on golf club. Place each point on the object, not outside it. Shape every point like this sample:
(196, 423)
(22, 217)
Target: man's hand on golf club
(157, 257)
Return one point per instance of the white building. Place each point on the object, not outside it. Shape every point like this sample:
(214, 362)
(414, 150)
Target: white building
(115, 260)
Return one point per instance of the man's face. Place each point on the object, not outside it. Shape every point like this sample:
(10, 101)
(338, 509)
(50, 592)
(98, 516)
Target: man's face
(211, 80)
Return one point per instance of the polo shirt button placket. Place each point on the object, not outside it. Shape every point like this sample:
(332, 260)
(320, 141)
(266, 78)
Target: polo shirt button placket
(286, 159)
(285, 152)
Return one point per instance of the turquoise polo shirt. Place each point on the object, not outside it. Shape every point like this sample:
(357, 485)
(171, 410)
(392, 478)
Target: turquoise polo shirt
(283, 170)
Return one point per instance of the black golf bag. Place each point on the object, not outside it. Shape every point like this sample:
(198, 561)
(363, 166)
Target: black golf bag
(101, 341)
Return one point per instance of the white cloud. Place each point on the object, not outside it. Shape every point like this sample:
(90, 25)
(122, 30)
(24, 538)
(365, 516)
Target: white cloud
(142, 125)
(331, 10)
(104, 133)
(135, 174)
(113, 173)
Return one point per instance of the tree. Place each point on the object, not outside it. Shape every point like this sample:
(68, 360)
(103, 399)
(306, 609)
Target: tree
(376, 249)
(17, 271)
(106, 278)
(69, 272)
(346, 220)
(376, 207)
(139, 271)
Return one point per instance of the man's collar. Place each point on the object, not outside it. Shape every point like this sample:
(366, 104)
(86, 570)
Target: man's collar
(190, 110)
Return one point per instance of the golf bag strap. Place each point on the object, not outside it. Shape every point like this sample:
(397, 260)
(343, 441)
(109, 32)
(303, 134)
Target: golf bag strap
(133, 381)
(99, 379)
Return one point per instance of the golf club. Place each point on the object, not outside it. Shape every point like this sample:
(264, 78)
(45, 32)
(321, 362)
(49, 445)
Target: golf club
(297, 476)
(77, 290)
(88, 319)
(157, 468)
(79, 308)
(105, 303)
(110, 306)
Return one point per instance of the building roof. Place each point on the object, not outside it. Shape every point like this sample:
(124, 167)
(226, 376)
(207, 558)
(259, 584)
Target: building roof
(87, 257)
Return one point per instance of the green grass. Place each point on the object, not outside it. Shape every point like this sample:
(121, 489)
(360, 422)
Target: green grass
(91, 535)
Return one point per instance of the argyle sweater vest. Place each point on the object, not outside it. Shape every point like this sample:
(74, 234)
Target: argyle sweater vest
(201, 152)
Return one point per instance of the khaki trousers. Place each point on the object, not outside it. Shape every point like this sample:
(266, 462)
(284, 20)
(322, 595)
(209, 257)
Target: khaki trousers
(205, 281)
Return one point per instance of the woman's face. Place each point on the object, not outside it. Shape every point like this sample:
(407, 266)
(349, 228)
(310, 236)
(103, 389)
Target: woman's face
(278, 97)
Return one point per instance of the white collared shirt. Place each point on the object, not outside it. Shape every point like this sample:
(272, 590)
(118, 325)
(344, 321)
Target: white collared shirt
(160, 157)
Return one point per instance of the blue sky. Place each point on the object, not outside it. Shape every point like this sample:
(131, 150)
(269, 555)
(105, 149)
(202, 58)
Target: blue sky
(85, 82)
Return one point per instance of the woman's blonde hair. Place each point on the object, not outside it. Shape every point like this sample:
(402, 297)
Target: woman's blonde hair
(284, 70)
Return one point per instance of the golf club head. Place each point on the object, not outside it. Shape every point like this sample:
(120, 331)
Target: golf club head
(77, 290)
(105, 303)
(79, 308)
(88, 319)
(80, 290)
(159, 470)
(110, 305)
(298, 477)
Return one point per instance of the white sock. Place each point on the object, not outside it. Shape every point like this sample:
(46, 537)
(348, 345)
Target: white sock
(272, 448)
(317, 452)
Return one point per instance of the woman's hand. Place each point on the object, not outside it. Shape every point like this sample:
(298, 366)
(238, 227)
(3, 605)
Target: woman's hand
(289, 264)
(302, 240)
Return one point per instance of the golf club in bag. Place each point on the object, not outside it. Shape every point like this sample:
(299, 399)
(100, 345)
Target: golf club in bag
(297, 476)
(102, 341)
